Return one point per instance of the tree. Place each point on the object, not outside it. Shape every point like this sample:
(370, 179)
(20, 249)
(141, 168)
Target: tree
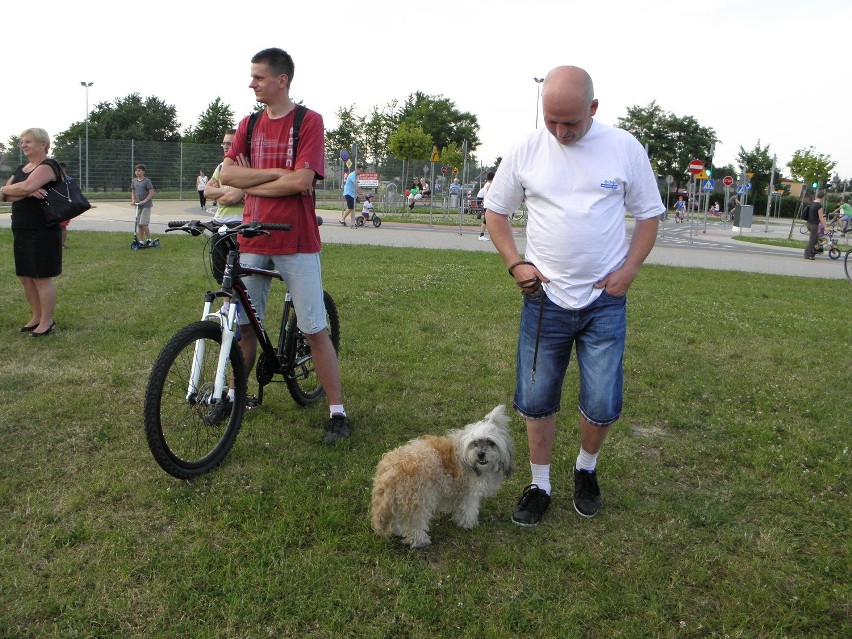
(377, 130)
(347, 134)
(439, 118)
(212, 124)
(759, 163)
(410, 143)
(672, 141)
(809, 166)
(452, 156)
(129, 118)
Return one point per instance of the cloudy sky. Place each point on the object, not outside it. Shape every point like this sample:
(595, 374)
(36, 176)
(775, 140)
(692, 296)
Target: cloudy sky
(753, 70)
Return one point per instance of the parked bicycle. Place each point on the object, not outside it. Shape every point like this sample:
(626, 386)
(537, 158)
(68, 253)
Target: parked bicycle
(191, 423)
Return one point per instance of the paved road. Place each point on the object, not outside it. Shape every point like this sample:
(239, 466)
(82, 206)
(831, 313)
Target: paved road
(677, 244)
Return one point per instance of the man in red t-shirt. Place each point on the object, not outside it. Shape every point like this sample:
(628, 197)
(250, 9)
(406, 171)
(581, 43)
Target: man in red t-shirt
(279, 189)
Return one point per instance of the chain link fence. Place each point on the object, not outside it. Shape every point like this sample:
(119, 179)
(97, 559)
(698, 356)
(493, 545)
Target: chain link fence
(105, 169)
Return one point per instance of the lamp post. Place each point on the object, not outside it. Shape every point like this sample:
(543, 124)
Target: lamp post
(86, 85)
(538, 82)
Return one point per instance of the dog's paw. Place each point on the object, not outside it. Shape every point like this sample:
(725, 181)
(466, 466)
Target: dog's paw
(418, 540)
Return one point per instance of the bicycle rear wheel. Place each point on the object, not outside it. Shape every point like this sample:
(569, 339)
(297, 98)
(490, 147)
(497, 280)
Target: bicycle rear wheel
(301, 376)
(847, 264)
(188, 436)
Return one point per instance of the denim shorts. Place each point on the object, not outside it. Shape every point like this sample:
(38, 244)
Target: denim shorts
(598, 331)
(302, 274)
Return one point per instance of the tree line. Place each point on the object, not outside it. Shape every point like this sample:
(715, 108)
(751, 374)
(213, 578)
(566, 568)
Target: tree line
(411, 129)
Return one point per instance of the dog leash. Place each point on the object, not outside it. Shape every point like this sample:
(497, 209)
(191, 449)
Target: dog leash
(529, 287)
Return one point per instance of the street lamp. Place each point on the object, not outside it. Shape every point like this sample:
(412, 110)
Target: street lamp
(538, 82)
(87, 85)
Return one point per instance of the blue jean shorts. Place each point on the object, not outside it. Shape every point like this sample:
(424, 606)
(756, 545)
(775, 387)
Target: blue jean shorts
(303, 275)
(598, 331)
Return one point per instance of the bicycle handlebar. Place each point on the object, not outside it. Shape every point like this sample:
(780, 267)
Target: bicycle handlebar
(249, 229)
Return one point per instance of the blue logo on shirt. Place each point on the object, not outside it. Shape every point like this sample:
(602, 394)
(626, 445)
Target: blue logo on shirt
(610, 184)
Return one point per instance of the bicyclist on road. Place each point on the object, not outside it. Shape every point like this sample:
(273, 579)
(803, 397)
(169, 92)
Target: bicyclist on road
(680, 207)
(279, 190)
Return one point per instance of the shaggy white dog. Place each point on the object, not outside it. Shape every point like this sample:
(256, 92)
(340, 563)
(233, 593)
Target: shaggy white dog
(449, 474)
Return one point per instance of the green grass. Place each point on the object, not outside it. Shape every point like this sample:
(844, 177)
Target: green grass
(726, 508)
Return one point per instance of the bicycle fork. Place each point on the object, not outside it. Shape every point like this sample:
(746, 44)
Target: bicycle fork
(226, 317)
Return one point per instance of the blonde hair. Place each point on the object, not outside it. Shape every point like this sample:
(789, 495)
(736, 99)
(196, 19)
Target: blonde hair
(38, 135)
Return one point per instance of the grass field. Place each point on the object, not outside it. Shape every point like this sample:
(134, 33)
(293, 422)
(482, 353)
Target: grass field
(726, 509)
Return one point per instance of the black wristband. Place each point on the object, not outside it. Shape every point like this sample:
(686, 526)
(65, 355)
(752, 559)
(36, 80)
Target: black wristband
(518, 264)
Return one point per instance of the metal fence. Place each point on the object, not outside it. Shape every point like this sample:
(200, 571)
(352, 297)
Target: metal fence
(108, 167)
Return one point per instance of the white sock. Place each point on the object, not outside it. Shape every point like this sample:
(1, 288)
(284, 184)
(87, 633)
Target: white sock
(541, 476)
(586, 461)
(231, 393)
(336, 409)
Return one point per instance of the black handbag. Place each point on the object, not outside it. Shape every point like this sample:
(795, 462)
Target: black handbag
(64, 200)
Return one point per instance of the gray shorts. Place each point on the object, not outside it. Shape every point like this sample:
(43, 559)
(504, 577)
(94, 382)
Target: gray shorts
(303, 275)
(144, 218)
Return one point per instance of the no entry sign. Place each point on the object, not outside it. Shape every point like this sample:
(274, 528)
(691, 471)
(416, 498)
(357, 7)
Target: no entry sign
(696, 167)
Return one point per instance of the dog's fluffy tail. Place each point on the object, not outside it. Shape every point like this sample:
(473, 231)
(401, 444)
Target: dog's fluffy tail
(381, 512)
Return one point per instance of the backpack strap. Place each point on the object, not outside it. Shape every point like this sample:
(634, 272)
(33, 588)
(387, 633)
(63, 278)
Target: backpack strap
(297, 125)
(253, 118)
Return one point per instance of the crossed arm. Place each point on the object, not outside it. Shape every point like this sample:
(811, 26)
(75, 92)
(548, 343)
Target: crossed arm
(32, 186)
(265, 182)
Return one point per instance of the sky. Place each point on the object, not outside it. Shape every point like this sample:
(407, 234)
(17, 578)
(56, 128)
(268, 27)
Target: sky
(768, 72)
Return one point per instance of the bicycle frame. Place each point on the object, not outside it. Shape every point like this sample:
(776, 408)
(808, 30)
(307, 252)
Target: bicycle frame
(234, 292)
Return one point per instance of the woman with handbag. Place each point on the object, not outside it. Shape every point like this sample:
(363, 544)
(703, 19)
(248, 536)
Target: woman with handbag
(37, 244)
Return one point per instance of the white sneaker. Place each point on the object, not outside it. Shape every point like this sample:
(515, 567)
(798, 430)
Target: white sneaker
(482, 238)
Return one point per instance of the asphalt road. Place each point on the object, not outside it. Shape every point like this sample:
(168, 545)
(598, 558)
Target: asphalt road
(687, 244)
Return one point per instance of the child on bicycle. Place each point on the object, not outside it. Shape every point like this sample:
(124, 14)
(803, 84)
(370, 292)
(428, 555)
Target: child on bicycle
(367, 208)
(680, 207)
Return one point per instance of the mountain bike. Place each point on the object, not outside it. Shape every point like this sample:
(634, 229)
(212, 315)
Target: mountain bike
(191, 423)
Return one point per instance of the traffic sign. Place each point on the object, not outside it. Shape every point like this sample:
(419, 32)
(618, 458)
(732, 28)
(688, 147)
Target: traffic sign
(740, 190)
(728, 181)
(436, 157)
(455, 170)
(704, 175)
(709, 185)
(444, 170)
(696, 167)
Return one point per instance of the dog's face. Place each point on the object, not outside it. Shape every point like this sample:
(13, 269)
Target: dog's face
(487, 446)
(483, 455)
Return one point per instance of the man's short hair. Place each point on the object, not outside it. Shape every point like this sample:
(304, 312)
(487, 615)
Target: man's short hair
(139, 166)
(820, 193)
(278, 60)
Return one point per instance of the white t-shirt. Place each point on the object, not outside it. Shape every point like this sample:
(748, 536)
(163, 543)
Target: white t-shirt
(367, 208)
(577, 197)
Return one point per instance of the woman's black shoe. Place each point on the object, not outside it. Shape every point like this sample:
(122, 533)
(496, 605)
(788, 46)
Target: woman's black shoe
(27, 329)
(49, 330)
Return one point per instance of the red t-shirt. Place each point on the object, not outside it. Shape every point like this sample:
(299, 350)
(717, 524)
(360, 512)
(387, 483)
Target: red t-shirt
(272, 147)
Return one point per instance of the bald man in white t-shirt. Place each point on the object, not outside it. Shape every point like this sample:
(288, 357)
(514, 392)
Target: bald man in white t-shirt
(578, 179)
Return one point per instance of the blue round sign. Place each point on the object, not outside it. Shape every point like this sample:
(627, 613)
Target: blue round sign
(344, 155)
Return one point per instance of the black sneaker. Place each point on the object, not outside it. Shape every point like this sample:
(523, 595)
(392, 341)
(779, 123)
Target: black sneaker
(531, 507)
(338, 428)
(587, 495)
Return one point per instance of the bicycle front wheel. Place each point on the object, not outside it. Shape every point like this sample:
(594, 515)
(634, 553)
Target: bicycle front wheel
(301, 376)
(187, 434)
